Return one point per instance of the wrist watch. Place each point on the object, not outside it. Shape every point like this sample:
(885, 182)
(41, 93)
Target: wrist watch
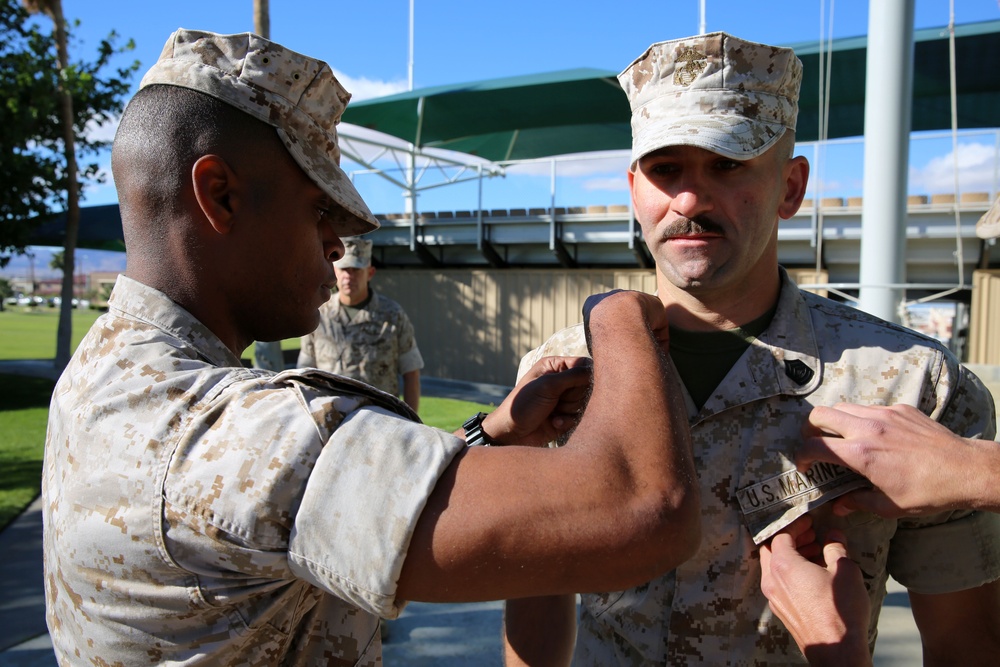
(474, 434)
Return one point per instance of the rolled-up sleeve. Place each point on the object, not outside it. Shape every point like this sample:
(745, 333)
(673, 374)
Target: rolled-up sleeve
(956, 550)
(961, 553)
(361, 505)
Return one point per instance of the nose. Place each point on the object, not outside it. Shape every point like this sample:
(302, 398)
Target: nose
(333, 247)
(692, 196)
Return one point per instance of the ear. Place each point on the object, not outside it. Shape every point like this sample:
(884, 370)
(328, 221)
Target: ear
(631, 188)
(371, 272)
(796, 176)
(215, 191)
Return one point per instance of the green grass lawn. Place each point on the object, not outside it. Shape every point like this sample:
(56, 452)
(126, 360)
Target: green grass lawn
(24, 403)
(30, 333)
(25, 409)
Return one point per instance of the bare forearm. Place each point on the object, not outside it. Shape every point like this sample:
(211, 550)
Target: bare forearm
(615, 507)
(539, 632)
(411, 389)
(644, 412)
(959, 628)
(983, 485)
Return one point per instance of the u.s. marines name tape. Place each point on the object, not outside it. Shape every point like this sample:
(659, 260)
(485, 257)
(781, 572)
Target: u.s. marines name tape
(770, 505)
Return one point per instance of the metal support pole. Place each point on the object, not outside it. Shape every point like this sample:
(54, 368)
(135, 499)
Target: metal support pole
(888, 98)
(411, 201)
(480, 231)
(553, 235)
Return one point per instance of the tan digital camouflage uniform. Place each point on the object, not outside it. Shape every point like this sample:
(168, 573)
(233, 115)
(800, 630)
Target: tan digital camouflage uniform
(815, 352)
(376, 347)
(198, 512)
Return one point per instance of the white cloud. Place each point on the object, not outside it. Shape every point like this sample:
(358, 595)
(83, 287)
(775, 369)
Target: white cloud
(610, 163)
(829, 187)
(976, 171)
(364, 88)
(613, 184)
(102, 132)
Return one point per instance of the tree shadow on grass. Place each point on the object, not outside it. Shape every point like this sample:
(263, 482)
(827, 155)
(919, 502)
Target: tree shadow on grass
(18, 392)
(21, 474)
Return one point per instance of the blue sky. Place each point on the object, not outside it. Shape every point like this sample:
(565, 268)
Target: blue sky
(367, 44)
(459, 40)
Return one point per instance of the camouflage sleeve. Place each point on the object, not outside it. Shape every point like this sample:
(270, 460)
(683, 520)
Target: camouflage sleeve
(361, 505)
(307, 352)
(568, 342)
(528, 360)
(952, 551)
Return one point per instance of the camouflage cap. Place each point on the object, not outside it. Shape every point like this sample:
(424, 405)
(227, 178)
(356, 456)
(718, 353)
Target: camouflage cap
(714, 91)
(988, 226)
(297, 95)
(357, 254)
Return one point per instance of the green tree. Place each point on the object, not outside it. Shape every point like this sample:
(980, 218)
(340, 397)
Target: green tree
(49, 102)
(32, 162)
(58, 261)
(6, 291)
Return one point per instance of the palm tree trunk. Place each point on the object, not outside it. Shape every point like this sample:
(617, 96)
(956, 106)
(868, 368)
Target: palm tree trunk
(262, 18)
(53, 9)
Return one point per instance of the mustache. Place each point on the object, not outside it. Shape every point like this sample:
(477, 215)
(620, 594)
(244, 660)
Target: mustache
(691, 227)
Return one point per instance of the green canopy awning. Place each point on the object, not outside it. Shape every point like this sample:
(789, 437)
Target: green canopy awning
(100, 229)
(977, 80)
(584, 110)
(511, 118)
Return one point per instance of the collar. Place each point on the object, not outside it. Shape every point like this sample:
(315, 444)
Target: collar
(369, 305)
(137, 301)
(783, 360)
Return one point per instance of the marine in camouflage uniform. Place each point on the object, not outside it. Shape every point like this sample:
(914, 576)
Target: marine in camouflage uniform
(711, 610)
(250, 569)
(376, 346)
(187, 499)
(712, 173)
(372, 342)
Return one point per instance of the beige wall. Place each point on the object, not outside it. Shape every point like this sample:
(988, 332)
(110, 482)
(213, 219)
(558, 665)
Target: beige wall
(475, 325)
(984, 328)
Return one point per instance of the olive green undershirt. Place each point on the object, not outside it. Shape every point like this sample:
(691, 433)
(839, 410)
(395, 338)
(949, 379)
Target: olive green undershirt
(703, 358)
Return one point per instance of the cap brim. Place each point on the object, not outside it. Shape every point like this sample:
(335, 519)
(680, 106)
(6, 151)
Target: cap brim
(734, 137)
(988, 226)
(333, 181)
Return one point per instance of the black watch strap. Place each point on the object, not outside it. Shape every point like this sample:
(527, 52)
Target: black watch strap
(474, 434)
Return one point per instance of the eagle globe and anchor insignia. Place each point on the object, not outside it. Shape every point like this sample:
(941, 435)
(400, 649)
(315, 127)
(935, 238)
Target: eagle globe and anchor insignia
(691, 63)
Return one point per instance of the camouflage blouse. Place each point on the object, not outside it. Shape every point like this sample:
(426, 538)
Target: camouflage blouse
(198, 512)
(376, 347)
(710, 610)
